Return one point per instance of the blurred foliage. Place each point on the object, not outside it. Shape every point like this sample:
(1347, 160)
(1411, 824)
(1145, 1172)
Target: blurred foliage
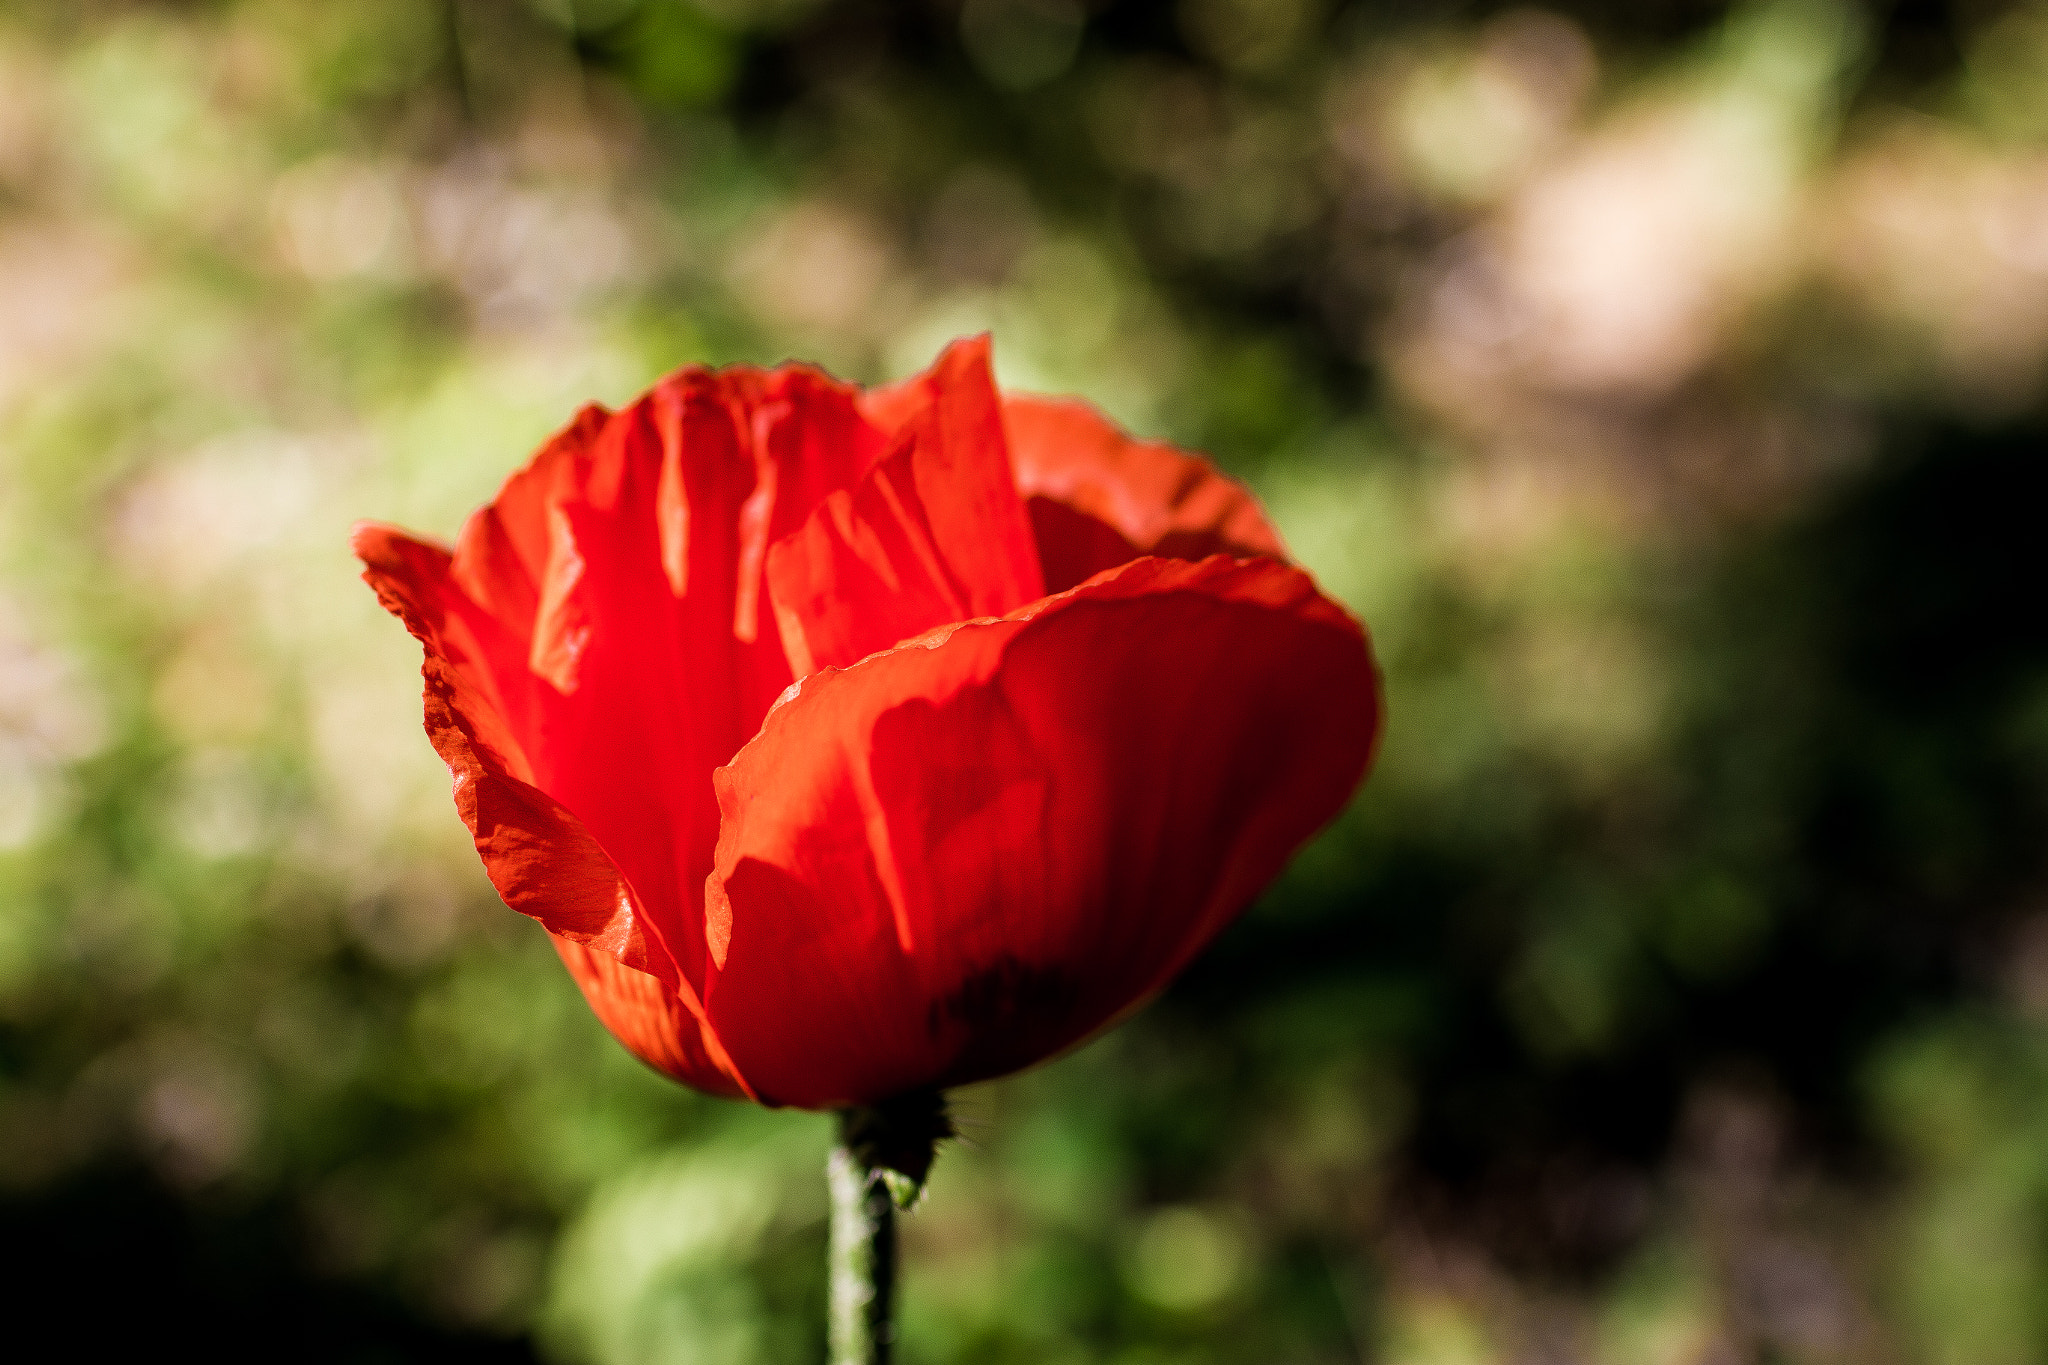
(1662, 383)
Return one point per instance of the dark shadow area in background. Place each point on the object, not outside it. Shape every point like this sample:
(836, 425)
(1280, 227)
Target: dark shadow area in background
(116, 1262)
(1869, 766)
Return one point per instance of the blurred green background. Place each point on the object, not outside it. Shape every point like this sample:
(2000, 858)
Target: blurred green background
(1661, 381)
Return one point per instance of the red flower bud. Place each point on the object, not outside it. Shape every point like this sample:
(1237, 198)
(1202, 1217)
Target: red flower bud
(851, 744)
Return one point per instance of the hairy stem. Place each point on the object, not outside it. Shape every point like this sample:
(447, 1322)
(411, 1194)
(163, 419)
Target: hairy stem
(863, 1261)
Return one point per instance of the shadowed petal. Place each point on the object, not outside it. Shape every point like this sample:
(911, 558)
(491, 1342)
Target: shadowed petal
(964, 854)
(1099, 498)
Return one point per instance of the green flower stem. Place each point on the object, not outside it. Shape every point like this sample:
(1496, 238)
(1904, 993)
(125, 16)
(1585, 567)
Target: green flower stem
(863, 1261)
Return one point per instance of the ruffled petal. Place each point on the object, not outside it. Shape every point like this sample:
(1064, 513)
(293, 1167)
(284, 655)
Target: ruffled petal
(518, 828)
(540, 857)
(934, 533)
(1099, 498)
(959, 462)
(961, 855)
(622, 567)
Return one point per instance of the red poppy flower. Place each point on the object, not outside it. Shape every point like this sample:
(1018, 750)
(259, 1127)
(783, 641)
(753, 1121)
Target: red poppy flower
(852, 744)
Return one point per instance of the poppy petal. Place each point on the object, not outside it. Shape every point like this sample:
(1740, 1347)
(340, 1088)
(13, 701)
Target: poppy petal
(934, 533)
(622, 568)
(863, 573)
(963, 854)
(543, 861)
(1098, 497)
(541, 858)
(959, 461)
